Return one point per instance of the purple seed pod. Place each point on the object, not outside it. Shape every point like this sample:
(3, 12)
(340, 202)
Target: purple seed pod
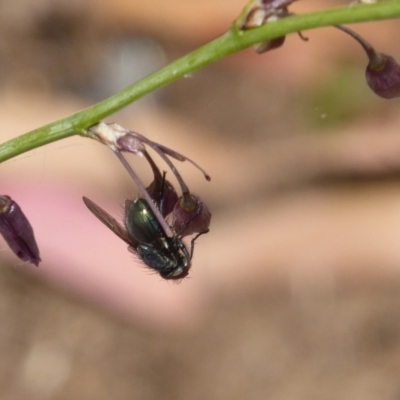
(190, 215)
(17, 231)
(383, 76)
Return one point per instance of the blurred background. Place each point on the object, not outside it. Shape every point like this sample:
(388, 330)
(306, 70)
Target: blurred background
(294, 293)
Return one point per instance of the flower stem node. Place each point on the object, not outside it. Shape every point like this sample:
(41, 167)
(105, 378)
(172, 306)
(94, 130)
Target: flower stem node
(17, 231)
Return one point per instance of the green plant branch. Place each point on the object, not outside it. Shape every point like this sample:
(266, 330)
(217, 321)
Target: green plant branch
(229, 43)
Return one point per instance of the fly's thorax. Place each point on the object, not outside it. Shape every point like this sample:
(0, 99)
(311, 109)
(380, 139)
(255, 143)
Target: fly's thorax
(167, 255)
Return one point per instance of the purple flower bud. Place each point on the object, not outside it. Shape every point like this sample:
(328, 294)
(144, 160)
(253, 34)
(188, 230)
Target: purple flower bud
(160, 190)
(164, 195)
(382, 72)
(383, 76)
(17, 231)
(190, 215)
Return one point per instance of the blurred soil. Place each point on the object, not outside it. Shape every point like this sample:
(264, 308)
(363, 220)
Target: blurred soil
(343, 345)
(295, 292)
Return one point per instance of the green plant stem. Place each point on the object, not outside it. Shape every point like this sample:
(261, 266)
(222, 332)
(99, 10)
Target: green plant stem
(229, 43)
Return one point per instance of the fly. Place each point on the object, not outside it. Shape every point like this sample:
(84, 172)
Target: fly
(146, 237)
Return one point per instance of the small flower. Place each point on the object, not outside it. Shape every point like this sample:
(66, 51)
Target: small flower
(261, 12)
(160, 195)
(120, 139)
(17, 231)
(382, 72)
(258, 12)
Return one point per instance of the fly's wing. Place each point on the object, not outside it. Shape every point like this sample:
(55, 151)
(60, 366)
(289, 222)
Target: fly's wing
(109, 221)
